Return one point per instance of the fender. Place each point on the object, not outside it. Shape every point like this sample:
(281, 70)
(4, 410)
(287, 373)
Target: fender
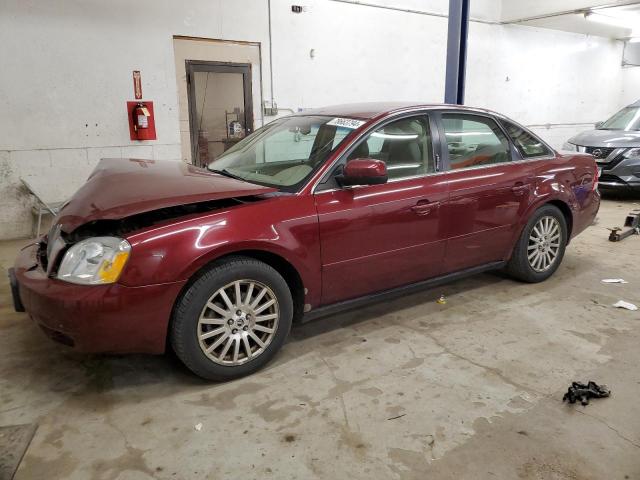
(283, 226)
(310, 280)
(541, 194)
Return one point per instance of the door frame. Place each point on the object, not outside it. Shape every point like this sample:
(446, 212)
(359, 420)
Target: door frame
(193, 66)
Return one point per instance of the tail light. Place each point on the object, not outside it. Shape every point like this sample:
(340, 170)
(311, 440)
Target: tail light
(596, 176)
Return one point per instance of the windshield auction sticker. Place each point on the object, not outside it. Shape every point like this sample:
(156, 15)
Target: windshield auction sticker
(346, 122)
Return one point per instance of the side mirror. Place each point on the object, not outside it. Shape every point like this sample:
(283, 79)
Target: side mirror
(364, 171)
(598, 124)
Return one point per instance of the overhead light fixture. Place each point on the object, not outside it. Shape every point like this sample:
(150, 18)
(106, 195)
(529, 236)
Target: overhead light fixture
(609, 20)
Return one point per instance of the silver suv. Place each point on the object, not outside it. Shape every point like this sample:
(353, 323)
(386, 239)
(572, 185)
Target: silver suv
(615, 144)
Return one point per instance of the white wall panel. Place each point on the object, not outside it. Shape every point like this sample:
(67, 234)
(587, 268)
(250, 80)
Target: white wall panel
(540, 76)
(630, 85)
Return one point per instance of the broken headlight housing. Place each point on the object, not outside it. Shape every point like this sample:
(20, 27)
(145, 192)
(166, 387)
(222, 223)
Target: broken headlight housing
(95, 261)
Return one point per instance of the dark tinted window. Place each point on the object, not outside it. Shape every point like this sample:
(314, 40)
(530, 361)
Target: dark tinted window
(474, 141)
(404, 145)
(528, 145)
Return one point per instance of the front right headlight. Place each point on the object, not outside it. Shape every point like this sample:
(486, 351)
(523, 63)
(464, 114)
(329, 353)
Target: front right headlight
(570, 147)
(95, 261)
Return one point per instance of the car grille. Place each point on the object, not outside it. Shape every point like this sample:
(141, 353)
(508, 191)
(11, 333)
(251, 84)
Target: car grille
(599, 153)
(602, 156)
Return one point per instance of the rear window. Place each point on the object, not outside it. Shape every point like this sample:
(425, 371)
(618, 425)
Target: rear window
(528, 145)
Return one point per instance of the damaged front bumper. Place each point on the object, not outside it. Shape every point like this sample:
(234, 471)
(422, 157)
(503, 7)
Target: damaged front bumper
(101, 318)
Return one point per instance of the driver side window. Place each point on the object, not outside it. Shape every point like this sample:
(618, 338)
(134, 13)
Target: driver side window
(404, 146)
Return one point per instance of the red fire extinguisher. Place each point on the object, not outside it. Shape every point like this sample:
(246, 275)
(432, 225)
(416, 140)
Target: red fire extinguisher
(141, 117)
(142, 125)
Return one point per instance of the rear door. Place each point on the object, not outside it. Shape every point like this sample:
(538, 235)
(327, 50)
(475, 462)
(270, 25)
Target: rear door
(489, 189)
(378, 237)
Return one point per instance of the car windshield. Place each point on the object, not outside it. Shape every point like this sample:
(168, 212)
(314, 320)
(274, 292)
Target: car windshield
(285, 152)
(626, 119)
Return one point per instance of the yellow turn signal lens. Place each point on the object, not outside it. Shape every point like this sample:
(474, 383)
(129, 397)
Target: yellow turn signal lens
(110, 270)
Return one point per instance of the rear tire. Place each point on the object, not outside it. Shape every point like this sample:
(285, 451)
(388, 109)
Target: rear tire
(540, 248)
(232, 320)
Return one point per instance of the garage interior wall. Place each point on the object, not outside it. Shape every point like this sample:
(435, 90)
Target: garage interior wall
(67, 74)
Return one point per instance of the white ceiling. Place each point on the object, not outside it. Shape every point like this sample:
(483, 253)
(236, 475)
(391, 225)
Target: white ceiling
(568, 15)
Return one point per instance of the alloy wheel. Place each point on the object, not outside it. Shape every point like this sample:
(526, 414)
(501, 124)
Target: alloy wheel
(238, 322)
(544, 243)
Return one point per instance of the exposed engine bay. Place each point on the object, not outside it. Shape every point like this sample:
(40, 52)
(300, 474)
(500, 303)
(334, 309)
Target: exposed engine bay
(124, 226)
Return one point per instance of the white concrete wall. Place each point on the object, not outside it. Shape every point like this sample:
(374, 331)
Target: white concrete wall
(630, 85)
(66, 73)
(558, 83)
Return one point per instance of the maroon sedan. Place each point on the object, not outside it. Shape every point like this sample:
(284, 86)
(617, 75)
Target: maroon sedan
(310, 214)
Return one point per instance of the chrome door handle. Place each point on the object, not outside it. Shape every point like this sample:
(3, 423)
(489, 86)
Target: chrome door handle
(424, 207)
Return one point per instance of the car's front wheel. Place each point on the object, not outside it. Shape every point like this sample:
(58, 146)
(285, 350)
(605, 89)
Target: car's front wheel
(232, 320)
(541, 246)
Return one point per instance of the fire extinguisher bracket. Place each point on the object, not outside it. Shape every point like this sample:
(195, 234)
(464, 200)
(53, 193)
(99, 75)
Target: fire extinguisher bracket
(141, 120)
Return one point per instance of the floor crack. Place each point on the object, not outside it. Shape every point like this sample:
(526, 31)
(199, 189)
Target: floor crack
(492, 370)
(601, 420)
(341, 396)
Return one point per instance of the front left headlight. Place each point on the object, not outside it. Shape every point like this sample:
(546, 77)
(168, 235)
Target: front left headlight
(632, 153)
(95, 261)
(570, 147)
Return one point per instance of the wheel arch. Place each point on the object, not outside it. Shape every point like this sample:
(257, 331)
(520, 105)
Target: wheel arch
(566, 211)
(556, 202)
(280, 264)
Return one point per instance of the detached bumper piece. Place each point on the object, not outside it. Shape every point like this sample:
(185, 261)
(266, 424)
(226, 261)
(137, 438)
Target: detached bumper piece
(632, 227)
(580, 391)
(15, 291)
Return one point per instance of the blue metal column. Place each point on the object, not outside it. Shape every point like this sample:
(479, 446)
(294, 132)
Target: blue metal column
(456, 51)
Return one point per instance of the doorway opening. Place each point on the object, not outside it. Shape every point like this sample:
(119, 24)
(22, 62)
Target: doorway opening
(220, 107)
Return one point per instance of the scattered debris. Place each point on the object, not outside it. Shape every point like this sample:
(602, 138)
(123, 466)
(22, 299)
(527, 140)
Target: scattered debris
(399, 416)
(632, 224)
(580, 391)
(625, 305)
(441, 300)
(614, 280)
(198, 427)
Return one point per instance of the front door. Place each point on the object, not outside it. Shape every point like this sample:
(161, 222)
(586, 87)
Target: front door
(488, 191)
(378, 237)
(220, 107)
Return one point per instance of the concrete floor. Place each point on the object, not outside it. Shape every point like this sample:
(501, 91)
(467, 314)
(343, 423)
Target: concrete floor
(402, 390)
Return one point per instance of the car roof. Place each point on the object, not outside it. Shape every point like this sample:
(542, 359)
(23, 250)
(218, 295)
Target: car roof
(634, 104)
(369, 110)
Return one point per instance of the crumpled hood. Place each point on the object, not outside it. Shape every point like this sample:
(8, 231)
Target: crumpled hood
(121, 187)
(607, 138)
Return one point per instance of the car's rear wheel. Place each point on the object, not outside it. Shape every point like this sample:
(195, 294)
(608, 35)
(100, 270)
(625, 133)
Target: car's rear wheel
(232, 320)
(541, 246)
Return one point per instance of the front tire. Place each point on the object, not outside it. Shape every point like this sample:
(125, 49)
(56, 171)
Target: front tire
(540, 248)
(232, 320)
